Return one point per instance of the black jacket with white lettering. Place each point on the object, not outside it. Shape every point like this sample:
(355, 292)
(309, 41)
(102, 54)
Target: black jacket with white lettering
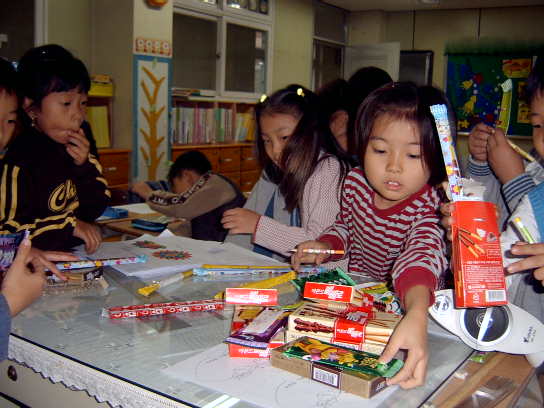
(44, 191)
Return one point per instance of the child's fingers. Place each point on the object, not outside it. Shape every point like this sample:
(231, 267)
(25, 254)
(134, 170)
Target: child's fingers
(406, 372)
(23, 254)
(539, 275)
(418, 376)
(532, 262)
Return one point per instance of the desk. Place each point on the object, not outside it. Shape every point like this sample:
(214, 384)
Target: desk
(64, 338)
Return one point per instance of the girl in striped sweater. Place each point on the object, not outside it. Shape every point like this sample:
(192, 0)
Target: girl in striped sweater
(388, 222)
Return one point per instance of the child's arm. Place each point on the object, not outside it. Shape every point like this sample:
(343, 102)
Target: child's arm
(320, 206)
(92, 190)
(411, 335)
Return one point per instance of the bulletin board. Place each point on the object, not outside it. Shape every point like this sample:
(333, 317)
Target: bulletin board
(473, 88)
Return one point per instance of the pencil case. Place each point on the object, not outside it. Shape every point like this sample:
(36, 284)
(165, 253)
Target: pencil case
(148, 225)
(113, 212)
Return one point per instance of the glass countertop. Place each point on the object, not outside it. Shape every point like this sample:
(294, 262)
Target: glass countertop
(70, 324)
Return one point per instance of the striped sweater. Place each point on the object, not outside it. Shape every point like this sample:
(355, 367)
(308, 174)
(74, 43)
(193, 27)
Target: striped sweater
(44, 191)
(403, 243)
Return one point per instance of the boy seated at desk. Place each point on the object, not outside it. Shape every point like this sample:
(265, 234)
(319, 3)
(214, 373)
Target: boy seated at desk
(194, 193)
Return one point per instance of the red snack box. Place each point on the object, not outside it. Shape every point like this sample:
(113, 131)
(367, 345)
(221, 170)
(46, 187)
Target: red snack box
(477, 258)
(248, 296)
(351, 325)
(336, 293)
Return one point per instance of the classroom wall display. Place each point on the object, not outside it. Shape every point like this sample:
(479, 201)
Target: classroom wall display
(474, 89)
(151, 125)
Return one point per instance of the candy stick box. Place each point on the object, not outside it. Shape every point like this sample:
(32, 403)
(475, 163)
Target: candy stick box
(351, 325)
(336, 293)
(477, 259)
(348, 370)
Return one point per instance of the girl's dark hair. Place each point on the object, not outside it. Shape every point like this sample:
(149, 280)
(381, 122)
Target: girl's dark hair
(302, 152)
(535, 82)
(191, 160)
(407, 101)
(51, 68)
(8, 77)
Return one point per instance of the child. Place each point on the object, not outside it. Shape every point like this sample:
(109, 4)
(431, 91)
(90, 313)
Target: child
(302, 171)
(197, 195)
(388, 221)
(53, 186)
(489, 151)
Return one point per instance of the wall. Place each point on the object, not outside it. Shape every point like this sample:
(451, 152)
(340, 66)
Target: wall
(17, 22)
(112, 24)
(366, 27)
(69, 25)
(432, 29)
(293, 43)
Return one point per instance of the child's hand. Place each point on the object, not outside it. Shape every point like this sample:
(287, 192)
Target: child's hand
(477, 141)
(21, 287)
(142, 189)
(534, 260)
(78, 147)
(301, 257)
(411, 335)
(240, 221)
(447, 219)
(45, 260)
(90, 234)
(505, 162)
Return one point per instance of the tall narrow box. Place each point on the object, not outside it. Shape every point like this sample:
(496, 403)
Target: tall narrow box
(477, 259)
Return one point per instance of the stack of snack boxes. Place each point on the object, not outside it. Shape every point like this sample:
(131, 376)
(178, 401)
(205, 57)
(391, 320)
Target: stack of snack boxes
(341, 313)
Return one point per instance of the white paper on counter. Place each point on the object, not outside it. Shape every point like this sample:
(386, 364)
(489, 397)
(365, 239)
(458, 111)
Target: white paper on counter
(256, 381)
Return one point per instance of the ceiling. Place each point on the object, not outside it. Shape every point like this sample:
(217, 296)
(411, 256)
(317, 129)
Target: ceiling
(402, 5)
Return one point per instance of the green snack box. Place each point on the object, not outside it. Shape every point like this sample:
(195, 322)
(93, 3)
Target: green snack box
(336, 276)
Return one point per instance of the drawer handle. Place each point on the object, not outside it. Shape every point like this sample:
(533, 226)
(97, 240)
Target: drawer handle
(112, 168)
(226, 160)
(248, 158)
(12, 373)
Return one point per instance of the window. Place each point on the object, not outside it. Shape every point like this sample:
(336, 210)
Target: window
(329, 43)
(195, 61)
(221, 47)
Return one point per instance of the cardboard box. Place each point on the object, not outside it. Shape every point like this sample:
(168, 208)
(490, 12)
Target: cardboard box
(361, 384)
(329, 292)
(477, 258)
(368, 347)
(237, 351)
(351, 325)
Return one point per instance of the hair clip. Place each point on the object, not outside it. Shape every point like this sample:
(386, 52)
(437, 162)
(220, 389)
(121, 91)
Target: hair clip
(300, 92)
(263, 98)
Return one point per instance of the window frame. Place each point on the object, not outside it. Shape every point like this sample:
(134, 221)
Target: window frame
(224, 15)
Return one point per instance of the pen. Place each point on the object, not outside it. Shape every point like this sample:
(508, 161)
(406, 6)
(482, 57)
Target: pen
(254, 269)
(321, 251)
(90, 263)
(209, 266)
(148, 290)
(523, 231)
(521, 152)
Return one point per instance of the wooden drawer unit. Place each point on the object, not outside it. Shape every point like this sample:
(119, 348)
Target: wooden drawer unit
(229, 160)
(115, 166)
(248, 180)
(210, 152)
(248, 160)
(237, 161)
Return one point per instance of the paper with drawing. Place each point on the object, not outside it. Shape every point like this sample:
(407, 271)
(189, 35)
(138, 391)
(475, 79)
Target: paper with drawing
(170, 254)
(257, 382)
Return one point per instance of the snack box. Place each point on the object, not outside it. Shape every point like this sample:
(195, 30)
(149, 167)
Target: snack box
(347, 370)
(256, 326)
(329, 292)
(349, 325)
(236, 350)
(477, 258)
(368, 347)
(334, 276)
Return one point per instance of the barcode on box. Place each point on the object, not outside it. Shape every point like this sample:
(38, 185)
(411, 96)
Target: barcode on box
(495, 295)
(326, 375)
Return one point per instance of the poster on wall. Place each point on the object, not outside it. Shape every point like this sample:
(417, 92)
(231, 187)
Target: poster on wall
(151, 125)
(475, 85)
